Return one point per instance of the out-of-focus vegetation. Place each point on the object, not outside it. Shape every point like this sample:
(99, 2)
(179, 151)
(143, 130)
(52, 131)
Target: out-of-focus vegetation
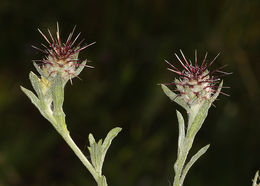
(133, 39)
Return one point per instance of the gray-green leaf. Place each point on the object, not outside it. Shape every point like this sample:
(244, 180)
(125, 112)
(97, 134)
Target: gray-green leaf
(110, 136)
(36, 85)
(196, 123)
(98, 150)
(174, 97)
(181, 131)
(192, 161)
(57, 93)
(39, 70)
(36, 102)
(32, 97)
(257, 177)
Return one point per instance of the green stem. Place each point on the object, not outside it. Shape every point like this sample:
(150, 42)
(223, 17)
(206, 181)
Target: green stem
(179, 165)
(181, 159)
(61, 127)
(193, 128)
(80, 155)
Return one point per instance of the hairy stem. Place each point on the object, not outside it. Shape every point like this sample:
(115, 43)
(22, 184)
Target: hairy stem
(80, 155)
(179, 166)
(181, 159)
(196, 117)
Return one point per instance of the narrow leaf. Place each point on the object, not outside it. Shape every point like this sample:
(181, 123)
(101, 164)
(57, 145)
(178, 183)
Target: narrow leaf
(192, 161)
(98, 150)
(110, 136)
(196, 123)
(91, 139)
(107, 142)
(181, 131)
(39, 70)
(36, 102)
(95, 156)
(35, 81)
(57, 91)
(95, 150)
(174, 97)
(57, 94)
(32, 97)
(255, 179)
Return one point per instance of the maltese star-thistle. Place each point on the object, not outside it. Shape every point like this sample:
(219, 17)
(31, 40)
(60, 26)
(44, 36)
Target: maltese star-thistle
(61, 64)
(196, 90)
(196, 83)
(61, 57)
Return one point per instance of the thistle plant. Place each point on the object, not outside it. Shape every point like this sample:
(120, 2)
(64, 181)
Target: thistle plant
(61, 64)
(196, 90)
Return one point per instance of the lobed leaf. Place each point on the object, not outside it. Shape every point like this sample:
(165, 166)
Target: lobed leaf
(98, 150)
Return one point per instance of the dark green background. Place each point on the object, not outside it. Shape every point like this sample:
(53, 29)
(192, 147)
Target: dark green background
(133, 39)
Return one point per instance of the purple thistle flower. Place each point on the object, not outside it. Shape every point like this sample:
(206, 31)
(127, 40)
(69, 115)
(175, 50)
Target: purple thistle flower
(61, 57)
(196, 83)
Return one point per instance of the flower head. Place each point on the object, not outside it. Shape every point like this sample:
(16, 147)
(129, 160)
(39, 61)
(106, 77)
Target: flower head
(61, 57)
(196, 83)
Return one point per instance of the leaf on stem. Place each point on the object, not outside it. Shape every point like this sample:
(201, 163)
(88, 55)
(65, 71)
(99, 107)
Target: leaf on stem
(256, 178)
(39, 70)
(174, 97)
(195, 124)
(110, 136)
(32, 97)
(192, 161)
(35, 81)
(36, 102)
(98, 150)
(91, 139)
(57, 94)
(181, 131)
(95, 150)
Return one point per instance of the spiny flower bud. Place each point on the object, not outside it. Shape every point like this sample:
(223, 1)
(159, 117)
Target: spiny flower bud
(61, 58)
(196, 83)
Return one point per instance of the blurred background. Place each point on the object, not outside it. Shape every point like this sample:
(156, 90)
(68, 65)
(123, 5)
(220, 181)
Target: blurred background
(133, 39)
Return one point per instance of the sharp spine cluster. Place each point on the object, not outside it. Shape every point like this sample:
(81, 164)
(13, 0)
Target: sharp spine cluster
(61, 57)
(196, 83)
